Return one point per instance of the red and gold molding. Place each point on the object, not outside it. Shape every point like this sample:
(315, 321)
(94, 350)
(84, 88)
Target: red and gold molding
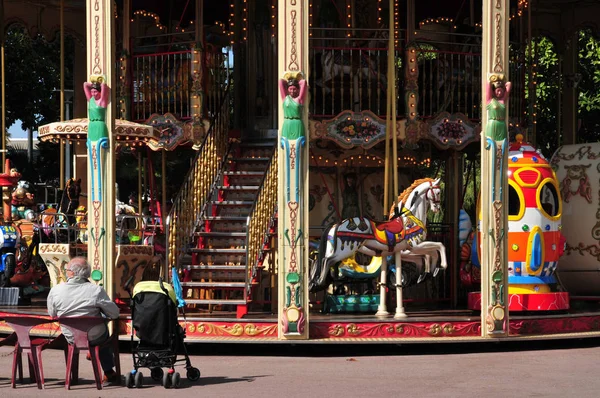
(335, 330)
(383, 331)
(220, 330)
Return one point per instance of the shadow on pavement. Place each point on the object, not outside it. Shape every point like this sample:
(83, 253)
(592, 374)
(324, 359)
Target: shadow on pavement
(205, 381)
(371, 349)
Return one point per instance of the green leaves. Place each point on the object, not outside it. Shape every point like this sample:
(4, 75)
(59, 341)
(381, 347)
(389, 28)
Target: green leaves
(589, 94)
(33, 76)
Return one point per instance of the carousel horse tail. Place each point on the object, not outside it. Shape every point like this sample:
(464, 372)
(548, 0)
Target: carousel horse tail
(317, 279)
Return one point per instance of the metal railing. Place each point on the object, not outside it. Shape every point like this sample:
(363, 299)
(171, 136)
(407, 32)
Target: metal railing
(166, 82)
(194, 193)
(349, 72)
(260, 220)
(161, 83)
(449, 81)
(217, 77)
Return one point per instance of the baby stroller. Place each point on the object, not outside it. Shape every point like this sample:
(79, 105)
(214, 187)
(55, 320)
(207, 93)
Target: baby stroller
(154, 319)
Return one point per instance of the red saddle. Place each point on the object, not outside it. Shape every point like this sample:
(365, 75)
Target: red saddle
(394, 226)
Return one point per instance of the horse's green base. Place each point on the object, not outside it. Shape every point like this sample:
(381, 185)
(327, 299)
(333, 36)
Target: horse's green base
(356, 303)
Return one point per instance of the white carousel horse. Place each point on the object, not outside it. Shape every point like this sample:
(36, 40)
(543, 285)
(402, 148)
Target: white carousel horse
(406, 230)
(424, 261)
(357, 63)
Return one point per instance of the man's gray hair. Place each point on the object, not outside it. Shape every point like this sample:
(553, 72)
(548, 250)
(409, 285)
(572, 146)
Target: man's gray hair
(80, 267)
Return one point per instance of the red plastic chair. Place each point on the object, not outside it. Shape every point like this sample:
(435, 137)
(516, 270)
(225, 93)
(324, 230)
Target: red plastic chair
(11, 340)
(22, 325)
(80, 326)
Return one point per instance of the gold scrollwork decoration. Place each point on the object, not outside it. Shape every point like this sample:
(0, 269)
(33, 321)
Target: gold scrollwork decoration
(353, 330)
(435, 329)
(337, 330)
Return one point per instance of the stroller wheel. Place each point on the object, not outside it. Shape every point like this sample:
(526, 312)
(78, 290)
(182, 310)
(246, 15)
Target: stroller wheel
(193, 374)
(175, 379)
(129, 380)
(156, 374)
(139, 379)
(166, 380)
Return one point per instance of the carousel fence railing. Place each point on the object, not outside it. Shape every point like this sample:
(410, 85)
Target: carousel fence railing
(348, 70)
(260, 223)
(450, 81)
(166, 82)
(194, 193)
(161, 83)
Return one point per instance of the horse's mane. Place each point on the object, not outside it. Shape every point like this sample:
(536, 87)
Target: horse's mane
(404, 195)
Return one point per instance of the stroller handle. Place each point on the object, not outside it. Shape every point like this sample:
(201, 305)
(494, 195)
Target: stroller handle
(127, 286)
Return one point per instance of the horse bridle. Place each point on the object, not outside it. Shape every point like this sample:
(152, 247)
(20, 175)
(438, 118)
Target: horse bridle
(430, 195)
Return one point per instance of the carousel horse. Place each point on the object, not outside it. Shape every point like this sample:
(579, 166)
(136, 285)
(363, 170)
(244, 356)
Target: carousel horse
(406, 230)
(70, 198)
(30, 269)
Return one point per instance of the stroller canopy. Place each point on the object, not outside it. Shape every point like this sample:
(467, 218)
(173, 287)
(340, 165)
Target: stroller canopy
(154, 287)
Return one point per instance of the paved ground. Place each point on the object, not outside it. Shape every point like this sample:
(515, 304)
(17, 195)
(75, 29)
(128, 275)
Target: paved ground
(530, 369)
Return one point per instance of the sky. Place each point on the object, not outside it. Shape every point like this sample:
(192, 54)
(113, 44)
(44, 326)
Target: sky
(16, 131)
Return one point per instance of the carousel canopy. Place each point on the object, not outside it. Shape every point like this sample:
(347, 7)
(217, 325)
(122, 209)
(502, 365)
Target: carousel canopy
(161, 132)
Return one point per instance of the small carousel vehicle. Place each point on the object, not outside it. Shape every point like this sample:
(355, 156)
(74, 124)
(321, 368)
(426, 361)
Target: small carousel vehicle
(534, 236)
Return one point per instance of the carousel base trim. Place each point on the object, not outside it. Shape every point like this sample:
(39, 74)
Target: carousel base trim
(416, 328)
(553, 301)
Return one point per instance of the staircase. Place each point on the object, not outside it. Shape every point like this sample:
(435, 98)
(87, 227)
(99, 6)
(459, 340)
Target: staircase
(233, 227)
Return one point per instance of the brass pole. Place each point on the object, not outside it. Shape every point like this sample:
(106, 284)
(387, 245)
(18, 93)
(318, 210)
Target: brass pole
(139, 183)
(3, 191)
(386, 172)
(392, 87)
(3, 77)
(62, 91)
(388, 120)
(164, 186)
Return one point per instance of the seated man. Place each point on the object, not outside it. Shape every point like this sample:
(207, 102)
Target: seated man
(79, 297)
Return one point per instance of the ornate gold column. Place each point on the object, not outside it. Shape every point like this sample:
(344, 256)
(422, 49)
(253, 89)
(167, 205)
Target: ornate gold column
(293, 65)
(494, 158)
(100, 147)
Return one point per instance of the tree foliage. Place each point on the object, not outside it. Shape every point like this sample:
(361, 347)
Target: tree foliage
(589, 91)
(542, 53)
(32, 78)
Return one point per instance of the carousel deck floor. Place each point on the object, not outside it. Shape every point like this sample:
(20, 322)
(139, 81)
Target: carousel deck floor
(420, 326)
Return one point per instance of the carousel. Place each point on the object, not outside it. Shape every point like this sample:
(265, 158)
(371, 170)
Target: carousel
(338, 145)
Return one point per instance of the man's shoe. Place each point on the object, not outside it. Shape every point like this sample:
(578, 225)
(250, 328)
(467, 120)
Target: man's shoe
(111, 379)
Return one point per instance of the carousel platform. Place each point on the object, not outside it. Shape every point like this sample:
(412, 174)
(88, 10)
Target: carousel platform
(420, 326)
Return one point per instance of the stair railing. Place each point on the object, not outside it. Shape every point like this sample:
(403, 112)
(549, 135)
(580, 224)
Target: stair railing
(197, 186)
(260, 220)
